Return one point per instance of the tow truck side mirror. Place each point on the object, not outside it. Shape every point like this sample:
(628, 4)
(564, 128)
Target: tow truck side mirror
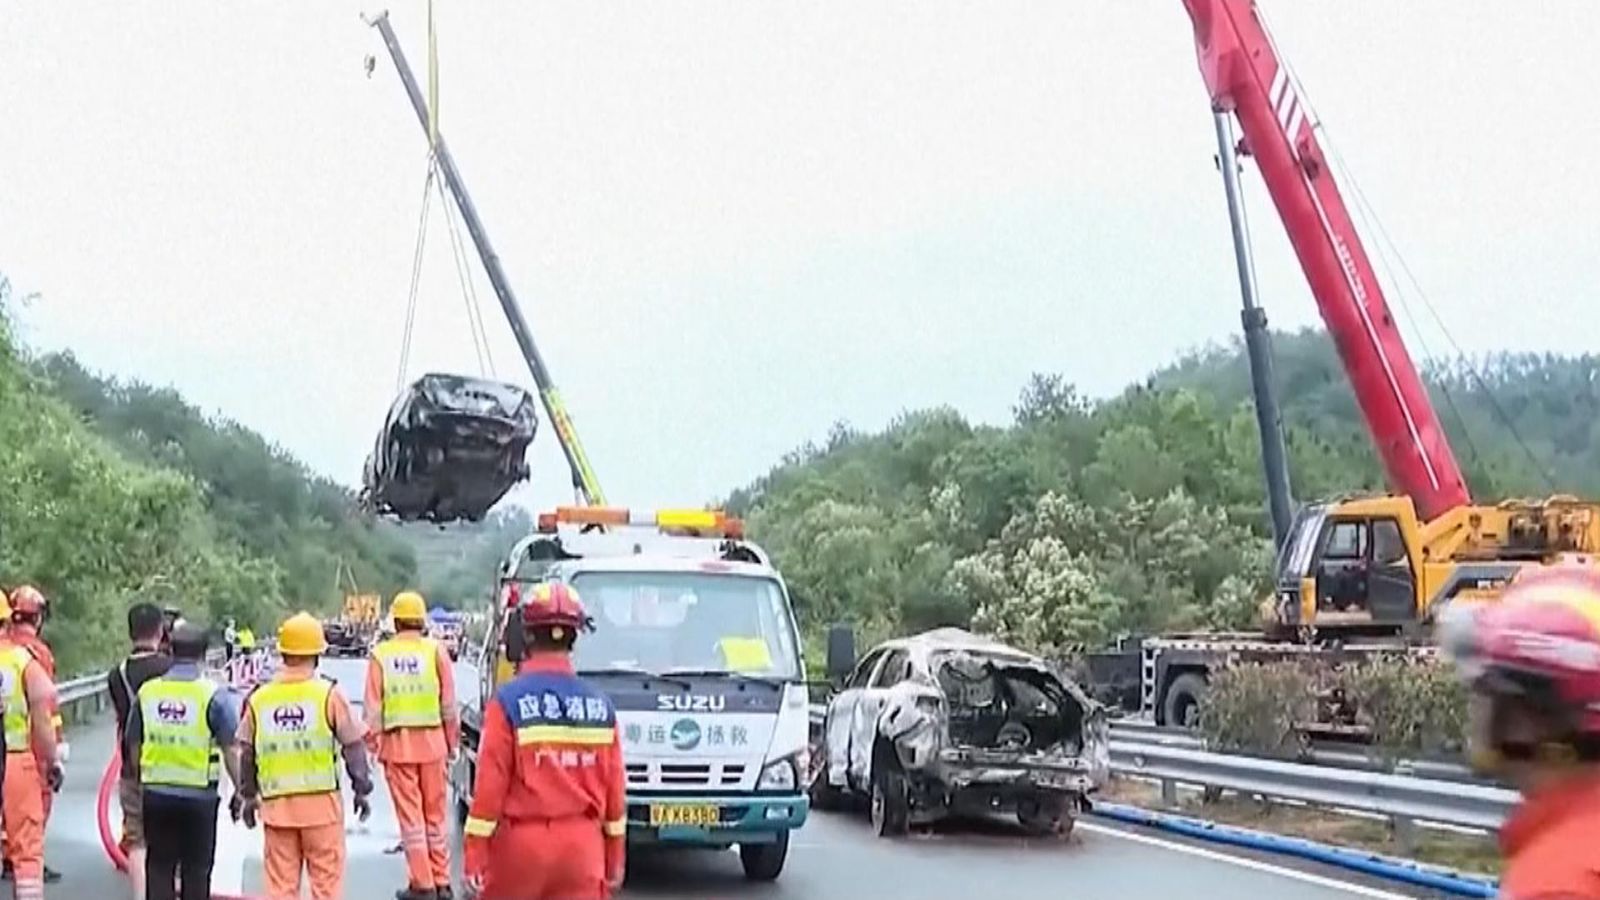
(841, 652)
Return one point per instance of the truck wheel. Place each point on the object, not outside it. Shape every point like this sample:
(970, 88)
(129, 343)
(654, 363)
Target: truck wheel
(1181, 706)
(764, 862)
(464, 799)
(891, 805)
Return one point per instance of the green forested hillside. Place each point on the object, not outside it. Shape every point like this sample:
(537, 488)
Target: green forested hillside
(112, 492)
(1084, 519)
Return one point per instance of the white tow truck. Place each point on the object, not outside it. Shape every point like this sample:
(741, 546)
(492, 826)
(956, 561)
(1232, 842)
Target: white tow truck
(695, 643)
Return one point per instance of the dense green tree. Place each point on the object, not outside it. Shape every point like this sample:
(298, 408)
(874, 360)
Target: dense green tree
(112, 492)
(1145, 511)
(259, 495)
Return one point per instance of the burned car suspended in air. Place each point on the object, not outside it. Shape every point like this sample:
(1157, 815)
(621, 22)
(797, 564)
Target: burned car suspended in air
(951, 723)
(449, 450)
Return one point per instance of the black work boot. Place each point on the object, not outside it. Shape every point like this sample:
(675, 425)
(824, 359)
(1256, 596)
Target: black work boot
(51, 876)
(444, 892)
(411, 893)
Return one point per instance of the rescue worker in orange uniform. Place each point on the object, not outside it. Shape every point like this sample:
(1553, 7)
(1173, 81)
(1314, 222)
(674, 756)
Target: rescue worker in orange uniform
(414, 728)
(1532, 663)
(292, 732)
(548, 814)
(31, 763)
(29, 609)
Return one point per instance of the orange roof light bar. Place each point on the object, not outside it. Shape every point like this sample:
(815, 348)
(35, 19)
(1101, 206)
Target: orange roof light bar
(685, 522)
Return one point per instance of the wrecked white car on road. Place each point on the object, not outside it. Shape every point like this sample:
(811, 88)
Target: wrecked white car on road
(950, 723)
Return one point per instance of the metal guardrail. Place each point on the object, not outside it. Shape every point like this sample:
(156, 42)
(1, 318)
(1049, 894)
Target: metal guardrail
(1404, 800)
(1145, 751)
(82, 697)
(1335, 756)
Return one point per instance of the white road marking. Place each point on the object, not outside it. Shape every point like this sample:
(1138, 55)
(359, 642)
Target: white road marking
(235, 843)
(1243, 862)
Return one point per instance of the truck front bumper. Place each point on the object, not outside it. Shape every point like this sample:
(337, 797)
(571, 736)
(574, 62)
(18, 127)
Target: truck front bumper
(745, 819)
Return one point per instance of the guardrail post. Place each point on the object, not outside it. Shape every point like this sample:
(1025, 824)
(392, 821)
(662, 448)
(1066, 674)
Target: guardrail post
(1404, 829)
(1169, 793)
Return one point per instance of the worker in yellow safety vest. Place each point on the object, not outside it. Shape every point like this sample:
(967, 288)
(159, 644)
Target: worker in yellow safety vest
(292, 732)
(30, 742)
(413, 727)
(183, 728)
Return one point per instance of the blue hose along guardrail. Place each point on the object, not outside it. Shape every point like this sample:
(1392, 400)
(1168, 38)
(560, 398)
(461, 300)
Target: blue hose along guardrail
(1353, 860)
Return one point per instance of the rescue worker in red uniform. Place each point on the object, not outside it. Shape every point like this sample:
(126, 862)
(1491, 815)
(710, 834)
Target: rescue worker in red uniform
(548, 814)
(29, 609)
(1532, 663)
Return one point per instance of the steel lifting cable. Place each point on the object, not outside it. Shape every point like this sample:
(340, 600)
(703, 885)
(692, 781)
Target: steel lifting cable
(416, 276)
(1369, 215)
(469, 290)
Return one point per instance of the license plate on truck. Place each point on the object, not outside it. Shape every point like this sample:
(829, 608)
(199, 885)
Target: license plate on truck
(684, 814)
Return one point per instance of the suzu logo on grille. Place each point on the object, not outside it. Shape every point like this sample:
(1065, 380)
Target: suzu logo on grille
(290, 718)
(172, 710)
(685, 734)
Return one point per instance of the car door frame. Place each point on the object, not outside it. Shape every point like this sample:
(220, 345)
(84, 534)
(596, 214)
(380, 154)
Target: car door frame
(840, 714)
(864, 717)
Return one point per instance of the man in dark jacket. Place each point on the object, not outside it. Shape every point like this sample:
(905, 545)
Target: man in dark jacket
(147, 628)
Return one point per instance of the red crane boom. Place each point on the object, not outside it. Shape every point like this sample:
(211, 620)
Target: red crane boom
(1246, 77)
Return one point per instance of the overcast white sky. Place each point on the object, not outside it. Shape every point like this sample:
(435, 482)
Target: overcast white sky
(732, 223)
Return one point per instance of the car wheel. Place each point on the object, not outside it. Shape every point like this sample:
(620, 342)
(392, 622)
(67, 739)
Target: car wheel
(1045, 818)
(891, 805)
(764, 862)
(824, 796)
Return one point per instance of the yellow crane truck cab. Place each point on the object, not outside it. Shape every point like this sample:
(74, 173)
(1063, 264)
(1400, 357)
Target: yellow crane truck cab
(1370, 565)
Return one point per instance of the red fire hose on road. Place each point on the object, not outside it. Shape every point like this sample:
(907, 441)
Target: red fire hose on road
(108, 840)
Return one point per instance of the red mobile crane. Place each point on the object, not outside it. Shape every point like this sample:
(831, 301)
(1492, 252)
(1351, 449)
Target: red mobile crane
(1377, 566)
(1246, 77)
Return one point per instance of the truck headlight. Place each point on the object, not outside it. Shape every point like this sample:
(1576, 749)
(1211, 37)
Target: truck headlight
(778, 776)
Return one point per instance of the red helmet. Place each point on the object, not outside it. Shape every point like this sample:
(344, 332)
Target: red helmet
(26, 600)
(1539, 643)
(554, 604)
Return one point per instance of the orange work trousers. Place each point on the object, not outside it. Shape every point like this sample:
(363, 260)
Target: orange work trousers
(318, 849)
(551, 859)
(24, 817)
(418, 790)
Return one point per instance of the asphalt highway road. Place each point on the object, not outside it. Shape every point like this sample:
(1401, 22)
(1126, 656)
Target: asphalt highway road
(834, 856)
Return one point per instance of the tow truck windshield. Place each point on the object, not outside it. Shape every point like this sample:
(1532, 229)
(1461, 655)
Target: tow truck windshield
(701, 622)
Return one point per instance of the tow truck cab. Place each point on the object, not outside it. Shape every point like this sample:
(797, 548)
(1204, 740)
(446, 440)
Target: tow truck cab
(695, 643)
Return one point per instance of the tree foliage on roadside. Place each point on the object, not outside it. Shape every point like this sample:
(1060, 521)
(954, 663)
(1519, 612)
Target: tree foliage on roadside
(260, 496)
(111, 494)
(1410, 708)
(1083, 520)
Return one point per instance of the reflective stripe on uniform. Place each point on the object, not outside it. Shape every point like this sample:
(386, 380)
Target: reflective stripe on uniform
(18, 724)
(616, 828)
(410, 669)
(479, 827)
(564, 734)
(177, 749)
(296, 751)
